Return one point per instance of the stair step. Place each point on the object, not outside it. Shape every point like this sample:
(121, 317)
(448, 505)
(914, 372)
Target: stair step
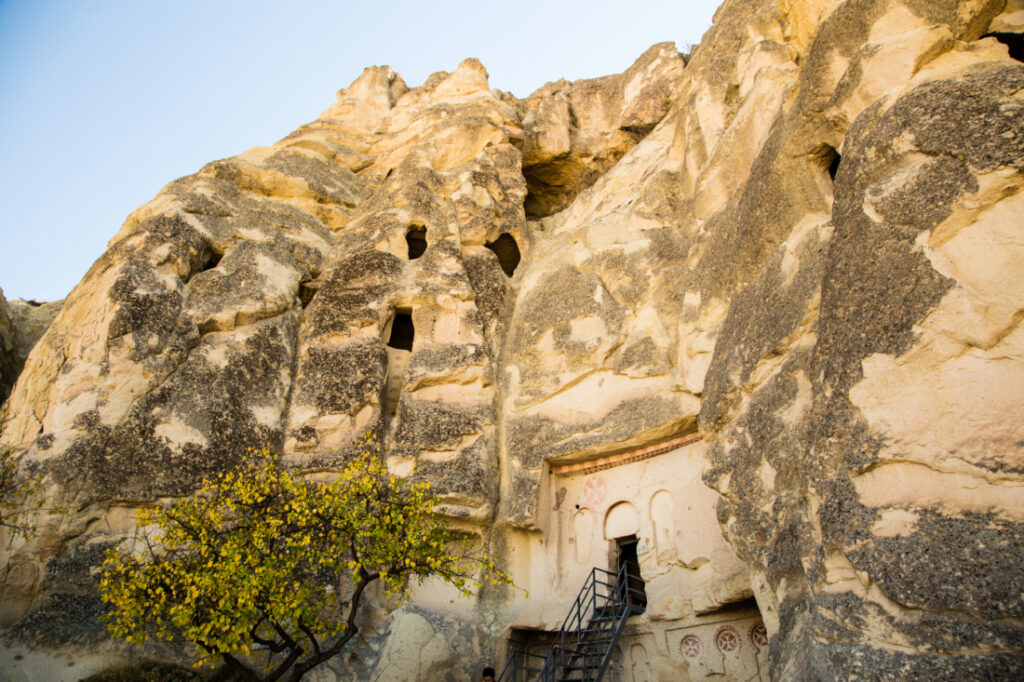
(582, 659)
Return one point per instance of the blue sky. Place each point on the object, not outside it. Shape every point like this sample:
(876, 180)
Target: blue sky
(104, 103)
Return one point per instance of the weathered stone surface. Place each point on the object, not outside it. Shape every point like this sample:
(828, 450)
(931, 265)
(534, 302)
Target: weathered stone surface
(855, 465)
(786, 266)
(8, 349)
(22, 323)
(575, 131)
(31, 319)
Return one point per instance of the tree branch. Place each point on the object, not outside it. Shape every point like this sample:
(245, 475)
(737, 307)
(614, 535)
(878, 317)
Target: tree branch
(309, 635)
(233, 663)
(285, 664)
(269, 643)
(350, 629)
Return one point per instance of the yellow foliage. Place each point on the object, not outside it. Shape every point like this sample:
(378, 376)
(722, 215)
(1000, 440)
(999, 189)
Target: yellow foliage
(259, 555)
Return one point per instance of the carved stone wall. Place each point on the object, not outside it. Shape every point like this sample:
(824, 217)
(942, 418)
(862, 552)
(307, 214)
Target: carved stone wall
(800, 243)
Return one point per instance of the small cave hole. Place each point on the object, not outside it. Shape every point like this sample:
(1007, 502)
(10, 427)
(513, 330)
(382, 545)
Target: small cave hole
(827, 158)
(1014, 41)
(402, 331)
(307, 290)
(533, 207)
(211, 261)
(507, 251)
(416, 238)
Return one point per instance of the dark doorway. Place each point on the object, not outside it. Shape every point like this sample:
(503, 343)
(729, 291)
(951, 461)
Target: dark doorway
(402, 331)
(399, 349)
(633, 588)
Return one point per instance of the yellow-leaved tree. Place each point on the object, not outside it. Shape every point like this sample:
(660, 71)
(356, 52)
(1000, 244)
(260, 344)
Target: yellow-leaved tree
(267, 571)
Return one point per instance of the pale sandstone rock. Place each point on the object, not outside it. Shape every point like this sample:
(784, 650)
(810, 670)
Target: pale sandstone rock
(8, 349)
(786, 267)
(574, 131)
(22, 323)
(31, 319)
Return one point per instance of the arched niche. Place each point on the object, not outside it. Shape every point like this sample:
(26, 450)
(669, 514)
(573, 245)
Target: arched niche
(621, 521)
(640, 670)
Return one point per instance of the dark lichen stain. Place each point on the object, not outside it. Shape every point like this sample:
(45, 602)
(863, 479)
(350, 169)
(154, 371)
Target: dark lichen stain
(433, 425)
(131, 461)
(72, 610)
(467, 474)
(489, 285)
(343, 379)
(144, 308)
(971, 563)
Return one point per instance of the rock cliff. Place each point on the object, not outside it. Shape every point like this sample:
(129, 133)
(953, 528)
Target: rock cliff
(9, 369)
(801, 242)
(22, 324)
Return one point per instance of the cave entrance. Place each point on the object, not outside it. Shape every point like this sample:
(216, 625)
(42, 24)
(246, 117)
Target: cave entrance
(633, 589)
(507, 251)
(828, 158)
(416, 240)
(400, 334)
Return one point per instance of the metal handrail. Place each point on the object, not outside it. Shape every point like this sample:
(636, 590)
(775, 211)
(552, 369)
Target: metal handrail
(513, 667)
(570, 652)
(572, 637)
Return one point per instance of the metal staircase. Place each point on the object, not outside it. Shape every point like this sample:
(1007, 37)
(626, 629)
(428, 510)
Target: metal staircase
(589, 633)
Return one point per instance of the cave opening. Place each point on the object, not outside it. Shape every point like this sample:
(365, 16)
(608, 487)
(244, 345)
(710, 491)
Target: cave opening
(402, 330)
(507, 251)
(307, 290)
(741, 606)
(827, 158)
(416, 239)
(212, 259)
(399, 348)
(1013, 41)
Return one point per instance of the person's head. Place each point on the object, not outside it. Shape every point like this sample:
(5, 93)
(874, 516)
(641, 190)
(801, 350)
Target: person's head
(488, 675)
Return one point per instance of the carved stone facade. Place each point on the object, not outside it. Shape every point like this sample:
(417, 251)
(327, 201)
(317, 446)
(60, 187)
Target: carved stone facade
(759, 305)
(693, 582)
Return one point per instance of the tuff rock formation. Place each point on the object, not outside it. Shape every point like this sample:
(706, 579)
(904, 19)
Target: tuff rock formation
(9, 368)
(22, 323)
(788, 263)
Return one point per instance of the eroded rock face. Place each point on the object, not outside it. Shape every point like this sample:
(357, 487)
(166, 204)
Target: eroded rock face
(8, 352)
(22, 323)
(575, 131)
(789, 262)
(862, 385)
(31, 319)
